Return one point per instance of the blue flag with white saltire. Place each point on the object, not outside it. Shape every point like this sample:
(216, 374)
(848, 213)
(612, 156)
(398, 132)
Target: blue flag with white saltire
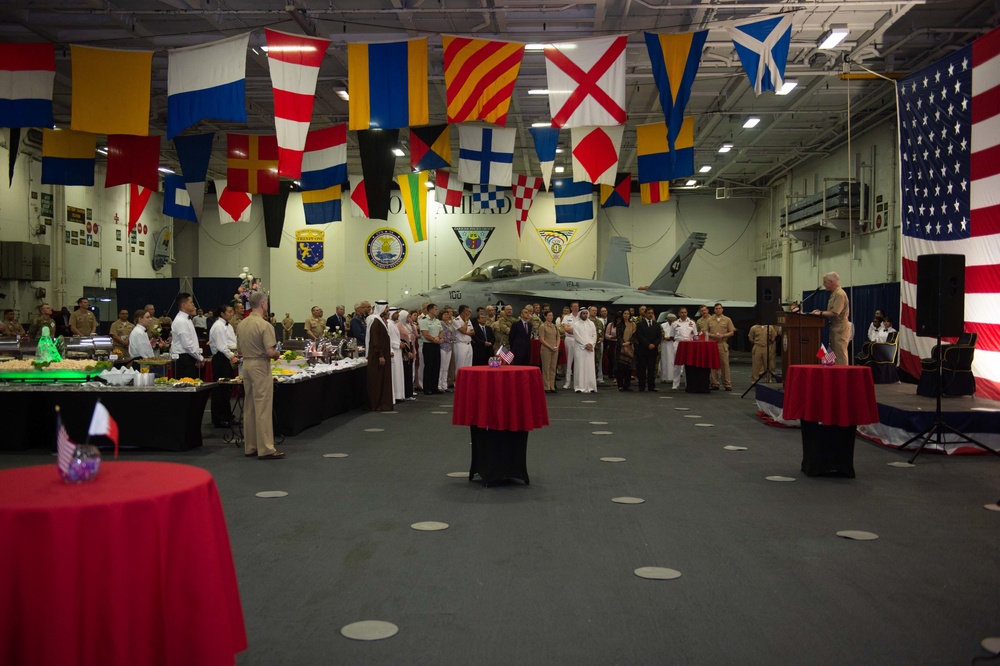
(762, 46)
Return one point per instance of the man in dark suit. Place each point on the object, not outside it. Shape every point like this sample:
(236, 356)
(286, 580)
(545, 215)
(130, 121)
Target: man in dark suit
(647, 342)
(338, 320)
(482, 341)
(519, 338)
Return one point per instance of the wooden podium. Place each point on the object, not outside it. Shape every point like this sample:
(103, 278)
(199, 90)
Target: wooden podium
(800, 339)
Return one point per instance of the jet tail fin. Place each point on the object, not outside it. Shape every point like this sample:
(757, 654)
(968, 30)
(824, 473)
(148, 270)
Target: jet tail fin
(669, 279)
(616, 264)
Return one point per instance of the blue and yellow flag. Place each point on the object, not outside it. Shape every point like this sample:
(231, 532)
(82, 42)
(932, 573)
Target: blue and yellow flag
(68, 157)
(675, 60)
(387, 84)
(111, 90)
(654, 154)
(323, 206)
(413, 191)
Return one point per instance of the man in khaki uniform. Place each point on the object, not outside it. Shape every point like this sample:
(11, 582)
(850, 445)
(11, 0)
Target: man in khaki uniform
(837, 311)
(315, 325)
(256, 344)
(238, 314)
(502, 326)
(762, 338)
(82, 322)
(703, 320)
(121, 329)
(720, 329)
(43, 321)
(10, 325)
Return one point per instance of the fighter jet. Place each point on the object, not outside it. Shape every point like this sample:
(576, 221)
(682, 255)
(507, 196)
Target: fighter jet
(519, 283)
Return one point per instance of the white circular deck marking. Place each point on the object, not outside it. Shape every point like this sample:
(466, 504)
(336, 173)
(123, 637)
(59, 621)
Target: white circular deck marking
(692, 416)
(657, 573)
(612, 459)
(369, 630)
(857, 535)
(734, 448)
(603, 432)
(591, 402)
(374, 429)
(704, 425)
(683, 409)
(429, 526)
(334, 455)
(272, 493)
(439, 412)
(779, 478)
(459, 475)
(627, 500)
(598, 423)
(900, 464)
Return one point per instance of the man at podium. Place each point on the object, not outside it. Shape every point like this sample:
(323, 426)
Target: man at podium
(837, 312)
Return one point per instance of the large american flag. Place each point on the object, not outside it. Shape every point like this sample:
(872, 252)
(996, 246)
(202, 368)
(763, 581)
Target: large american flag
(949, 144)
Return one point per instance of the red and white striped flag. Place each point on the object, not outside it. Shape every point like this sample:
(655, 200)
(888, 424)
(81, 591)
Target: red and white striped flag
(950, 185)
(294, 62)
(448, 189)
(506, 355)
(64, 446)
(101, 423)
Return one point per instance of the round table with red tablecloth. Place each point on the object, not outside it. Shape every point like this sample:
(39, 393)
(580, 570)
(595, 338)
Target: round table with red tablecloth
(698, 357)
(132, 568)
(500, 405)
(830, 401)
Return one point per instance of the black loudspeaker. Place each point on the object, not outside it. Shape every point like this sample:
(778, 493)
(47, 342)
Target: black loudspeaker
(940, 295)
(768, 299)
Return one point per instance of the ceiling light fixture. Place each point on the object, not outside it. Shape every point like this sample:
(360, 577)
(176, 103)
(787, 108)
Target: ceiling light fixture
(534, 47)
(832, 37)
(342, 94)
(165, 170)
(726, 147)
(548, 124)
(751, 123)
(786, 87)
(705, 168)
(558, 150)
(560, 169)
(429, 185)
(691, 183)
(397, 152)
(538, 91)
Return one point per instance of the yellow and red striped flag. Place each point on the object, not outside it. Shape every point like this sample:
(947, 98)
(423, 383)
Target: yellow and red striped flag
(479, 76)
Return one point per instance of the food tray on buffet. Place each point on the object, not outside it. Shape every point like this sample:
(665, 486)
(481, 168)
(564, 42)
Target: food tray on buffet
(60, 371)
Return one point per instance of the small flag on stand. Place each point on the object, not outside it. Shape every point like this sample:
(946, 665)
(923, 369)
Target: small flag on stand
(64, 446)
(506, 355)
(826, 356)
(101, 423)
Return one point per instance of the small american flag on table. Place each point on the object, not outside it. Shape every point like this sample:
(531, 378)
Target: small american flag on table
(506, 355)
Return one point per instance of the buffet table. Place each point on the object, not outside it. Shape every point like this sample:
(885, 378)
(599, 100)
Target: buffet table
(307, 402)
(500, 405)
(133, 568)
(162, 417)
(698, 357)
(830, 401)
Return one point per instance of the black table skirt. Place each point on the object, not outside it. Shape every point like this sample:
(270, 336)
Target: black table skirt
(301, 405)
(166, 420)
(827, 450)
(696, 379)
(498, 455)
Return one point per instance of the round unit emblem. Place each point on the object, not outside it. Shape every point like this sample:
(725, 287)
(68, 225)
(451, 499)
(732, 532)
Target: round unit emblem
(386, 249)
(784, 342)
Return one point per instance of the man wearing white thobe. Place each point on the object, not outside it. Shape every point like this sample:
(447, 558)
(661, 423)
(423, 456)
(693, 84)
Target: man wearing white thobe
(585, 337)
(398, 388)
(667, 349)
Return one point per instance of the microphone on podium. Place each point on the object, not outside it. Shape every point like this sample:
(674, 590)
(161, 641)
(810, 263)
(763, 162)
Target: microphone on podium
(818, 289)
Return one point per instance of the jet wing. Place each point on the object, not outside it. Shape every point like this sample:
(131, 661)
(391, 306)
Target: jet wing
(596, 296)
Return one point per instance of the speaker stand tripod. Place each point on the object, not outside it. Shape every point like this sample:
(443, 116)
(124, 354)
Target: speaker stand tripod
(767, 363)
(939, 428)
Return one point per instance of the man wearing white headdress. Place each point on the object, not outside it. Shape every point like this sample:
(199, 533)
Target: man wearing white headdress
(378, 347)
(585, 337)
(667, 349)
(398, 389)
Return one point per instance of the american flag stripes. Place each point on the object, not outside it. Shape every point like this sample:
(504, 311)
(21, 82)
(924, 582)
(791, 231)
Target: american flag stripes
(64, 446)
(949, 126)
(506, 355)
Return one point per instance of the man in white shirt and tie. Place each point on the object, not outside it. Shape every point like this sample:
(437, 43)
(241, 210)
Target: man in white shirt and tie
(222, 344)
(184, 346)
